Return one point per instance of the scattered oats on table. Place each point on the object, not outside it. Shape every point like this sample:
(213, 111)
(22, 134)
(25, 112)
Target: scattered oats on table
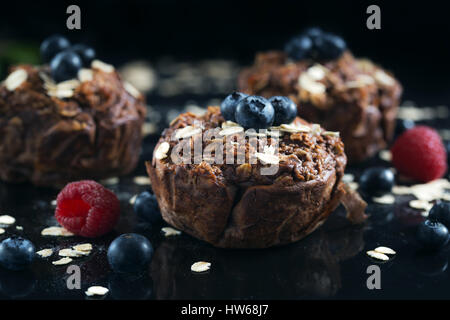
(141, 180)
(385, 250)
(377, 255)
(421, 205)
(2, 231)
(168, 231)
(385, 155)
(45, 253)
(200, 266)
(56, 231)
(7, 220)
(110, 181)
(96, 291)
(386, 199)
(133, 199)
(83, 247)
(62, 261)
(69, 253)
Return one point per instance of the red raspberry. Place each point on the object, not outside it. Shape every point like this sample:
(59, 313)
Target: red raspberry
(420, 154)
(87, 209)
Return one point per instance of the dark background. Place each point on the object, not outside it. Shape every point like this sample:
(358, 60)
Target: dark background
(413, 41)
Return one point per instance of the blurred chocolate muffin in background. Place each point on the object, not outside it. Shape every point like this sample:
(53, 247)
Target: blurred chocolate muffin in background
(331, 87)
(71, 119)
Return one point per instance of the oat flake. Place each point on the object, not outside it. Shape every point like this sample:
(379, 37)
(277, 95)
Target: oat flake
(385, 155)
(168, 231)
(187, 132)
(131, 90)
(15, 79)
(353, 185)
(384, 250)
(141, 180)
(161, 151)
(420, 204)
(69, 253)
(133, 199)
(56, 231)
(96, 291)
(228, 124)
(83, 247)
(45, 253)
(85, 75)
(110, 181)
(348, 177)
(62, 261)
(377, 255)
(267, 158)
(100, 65)
(200, 266)
(231, 130)
(386, 199)
(5, 219)
(2, 231)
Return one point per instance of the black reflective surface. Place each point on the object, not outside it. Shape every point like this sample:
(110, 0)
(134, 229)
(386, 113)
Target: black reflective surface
(330, 263)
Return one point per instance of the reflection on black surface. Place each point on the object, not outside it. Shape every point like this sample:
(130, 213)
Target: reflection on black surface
(430, 264)
(130, 287)
(17, 284)
(307, 269)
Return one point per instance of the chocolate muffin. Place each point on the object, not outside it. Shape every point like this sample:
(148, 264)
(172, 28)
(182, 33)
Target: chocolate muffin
(353, 96)
(85, 128)
(247, 189)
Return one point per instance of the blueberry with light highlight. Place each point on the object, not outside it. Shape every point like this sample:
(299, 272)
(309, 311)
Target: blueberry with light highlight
(130, 253)
(255, 112)
(285, 110)
(229, 104)
(432, 235)
(377, 181)
(53, 45)
(440, 212)
(86, 53)
(65, 66)
(16, 253)
(146, 207)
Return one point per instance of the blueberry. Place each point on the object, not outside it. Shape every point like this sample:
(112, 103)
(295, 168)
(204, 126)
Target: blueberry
(285, 110)
(130, 253)
(440, 213)
(315, 44)
(86, 53)
(65, 65)
(255, 112)
(53, 45)
(377, 181)
(403, 125)
(16, 253)
(228, 105)
(328, 46)
(299, 47)
(432, 235)
(313, 32)
(146, 207)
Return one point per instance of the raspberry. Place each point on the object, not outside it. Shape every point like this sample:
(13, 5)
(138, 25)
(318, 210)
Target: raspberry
(87, 209)
(420, 154)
